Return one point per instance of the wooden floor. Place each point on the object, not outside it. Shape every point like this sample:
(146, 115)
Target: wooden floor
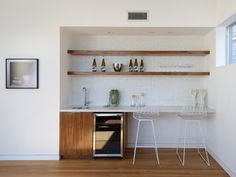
(145, 166)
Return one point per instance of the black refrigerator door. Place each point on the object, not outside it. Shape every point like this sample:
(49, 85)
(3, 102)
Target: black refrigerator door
(108, 140)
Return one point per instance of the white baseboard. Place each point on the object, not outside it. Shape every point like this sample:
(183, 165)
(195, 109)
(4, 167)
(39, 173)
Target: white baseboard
(222, 164)
(29, 157)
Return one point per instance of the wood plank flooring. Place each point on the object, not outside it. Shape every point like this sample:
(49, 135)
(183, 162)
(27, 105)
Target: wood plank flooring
(145, 166)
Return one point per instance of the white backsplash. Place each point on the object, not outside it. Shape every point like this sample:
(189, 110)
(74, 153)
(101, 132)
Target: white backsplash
(161, 90)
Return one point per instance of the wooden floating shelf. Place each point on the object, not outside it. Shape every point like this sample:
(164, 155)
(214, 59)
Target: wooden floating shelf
(139, 52)
(139, 73)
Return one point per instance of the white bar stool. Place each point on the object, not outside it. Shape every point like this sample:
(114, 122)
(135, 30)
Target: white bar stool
(192, 114)
(146, 115)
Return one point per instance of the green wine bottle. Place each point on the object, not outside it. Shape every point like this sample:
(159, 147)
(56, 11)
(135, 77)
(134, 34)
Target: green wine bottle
(103, 65)
(94, 65)
(135, 65)
(131, 69)
(141, 68)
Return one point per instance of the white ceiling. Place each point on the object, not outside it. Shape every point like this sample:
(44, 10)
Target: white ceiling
(152, 31)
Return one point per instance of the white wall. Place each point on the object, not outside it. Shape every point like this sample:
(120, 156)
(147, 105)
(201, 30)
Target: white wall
(221, 128)
(29, 118)
(66, 42)
(224, 10)
(221, 86)
(29, 122)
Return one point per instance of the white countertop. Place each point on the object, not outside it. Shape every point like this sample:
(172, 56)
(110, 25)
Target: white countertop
(161, 109)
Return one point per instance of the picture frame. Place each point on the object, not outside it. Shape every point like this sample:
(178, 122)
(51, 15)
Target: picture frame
(22, 73)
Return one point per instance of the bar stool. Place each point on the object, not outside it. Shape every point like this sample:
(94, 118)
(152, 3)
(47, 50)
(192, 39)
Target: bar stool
(146, 115)
(195, 115)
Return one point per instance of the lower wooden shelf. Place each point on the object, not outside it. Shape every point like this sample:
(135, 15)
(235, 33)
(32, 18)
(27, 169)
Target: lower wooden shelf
(139, 73)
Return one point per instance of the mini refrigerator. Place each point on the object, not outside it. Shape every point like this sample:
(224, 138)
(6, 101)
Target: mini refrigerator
(108, 135)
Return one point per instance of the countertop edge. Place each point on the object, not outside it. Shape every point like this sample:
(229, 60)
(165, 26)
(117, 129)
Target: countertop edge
(129, 109)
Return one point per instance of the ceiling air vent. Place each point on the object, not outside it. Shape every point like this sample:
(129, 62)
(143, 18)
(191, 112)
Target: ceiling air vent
(132, 16)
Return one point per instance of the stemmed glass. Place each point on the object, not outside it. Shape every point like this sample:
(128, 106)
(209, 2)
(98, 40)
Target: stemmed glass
(202, 96)
(194, 93)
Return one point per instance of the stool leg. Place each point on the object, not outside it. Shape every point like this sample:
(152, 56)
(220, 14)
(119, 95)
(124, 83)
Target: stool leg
(182, 160)
(136, 142)
(185, 135)
(154, 136)
(206, 160)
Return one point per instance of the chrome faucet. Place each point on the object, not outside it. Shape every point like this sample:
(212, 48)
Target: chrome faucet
(85, 97)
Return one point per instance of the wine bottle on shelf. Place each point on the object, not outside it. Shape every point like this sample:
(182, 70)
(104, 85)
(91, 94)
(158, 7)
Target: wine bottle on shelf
(94, 65)
(135, 65)
(131, 68)
(103, 65)
(141, 68)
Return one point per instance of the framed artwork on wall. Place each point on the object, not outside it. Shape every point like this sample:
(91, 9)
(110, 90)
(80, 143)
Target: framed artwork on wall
(22, 73)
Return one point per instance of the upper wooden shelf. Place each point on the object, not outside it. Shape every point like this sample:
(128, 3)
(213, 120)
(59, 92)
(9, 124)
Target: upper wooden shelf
(139, 73)
(139, 52)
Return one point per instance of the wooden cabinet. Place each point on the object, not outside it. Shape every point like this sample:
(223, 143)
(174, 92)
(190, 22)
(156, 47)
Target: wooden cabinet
(76, 135)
